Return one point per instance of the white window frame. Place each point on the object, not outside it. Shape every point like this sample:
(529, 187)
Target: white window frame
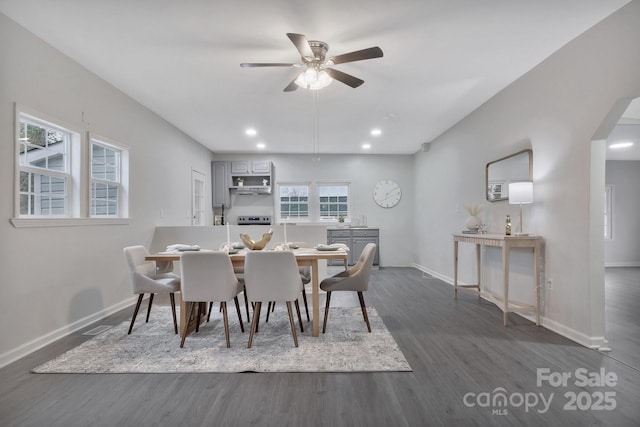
(295, 219)
(121, 181)
(608, 211)
(348, 203)
(313, 203)
(77, 176)
(65, 174)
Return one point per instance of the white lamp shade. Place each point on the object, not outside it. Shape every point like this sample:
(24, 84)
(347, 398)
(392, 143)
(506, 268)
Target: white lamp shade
(520, 192)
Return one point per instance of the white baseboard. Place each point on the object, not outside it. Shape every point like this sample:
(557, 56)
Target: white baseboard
(597, 343)
(435, 274)
(622, 264)
(38, 343)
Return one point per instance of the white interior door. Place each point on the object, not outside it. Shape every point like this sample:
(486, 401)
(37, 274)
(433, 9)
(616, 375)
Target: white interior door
(197, 199)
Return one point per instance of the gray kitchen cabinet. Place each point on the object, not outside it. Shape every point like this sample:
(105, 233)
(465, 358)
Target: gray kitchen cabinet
(261, 167)
(221, 181)
(360, 237)
(356, 239)
(246, 167)
(240, 167)
(251, 177)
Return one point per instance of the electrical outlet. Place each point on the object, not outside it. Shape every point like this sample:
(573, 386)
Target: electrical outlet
(549, 283)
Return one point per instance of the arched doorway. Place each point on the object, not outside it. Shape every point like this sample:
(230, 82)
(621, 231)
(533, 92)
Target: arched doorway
(613, 295)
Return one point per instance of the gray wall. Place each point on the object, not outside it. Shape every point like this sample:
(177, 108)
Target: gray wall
(624, 248)
(363, 172)
(555, 110)
(55, 279)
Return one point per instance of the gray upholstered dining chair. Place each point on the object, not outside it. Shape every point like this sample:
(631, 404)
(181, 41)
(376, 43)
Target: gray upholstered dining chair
(208, 276)
(146, 279)
(272, 276)
(239, 272)
(305, 275)
(355, 279)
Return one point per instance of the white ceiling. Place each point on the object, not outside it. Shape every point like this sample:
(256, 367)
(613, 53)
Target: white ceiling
(442, 59)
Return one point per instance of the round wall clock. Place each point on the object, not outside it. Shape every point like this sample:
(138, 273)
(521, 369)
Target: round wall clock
(387, 193)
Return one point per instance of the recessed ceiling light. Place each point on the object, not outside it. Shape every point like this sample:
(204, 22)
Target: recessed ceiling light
(261, 145)
(376, 132)
(366, 146)
(251, 132)
(624, 144)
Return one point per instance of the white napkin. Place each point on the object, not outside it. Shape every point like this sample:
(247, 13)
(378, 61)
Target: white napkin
(282, 247)
(180, 247)
(333, 245)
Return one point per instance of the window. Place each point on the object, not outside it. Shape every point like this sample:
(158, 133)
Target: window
(294, 202)
(64, 176)
(608, 212)
(44, 168)
(304, 202)
(333, 200)
(105, 190)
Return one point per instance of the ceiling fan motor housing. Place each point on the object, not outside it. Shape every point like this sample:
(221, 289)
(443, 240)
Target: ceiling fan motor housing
(319, 50)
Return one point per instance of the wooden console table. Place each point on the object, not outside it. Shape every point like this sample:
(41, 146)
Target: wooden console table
(506, 243)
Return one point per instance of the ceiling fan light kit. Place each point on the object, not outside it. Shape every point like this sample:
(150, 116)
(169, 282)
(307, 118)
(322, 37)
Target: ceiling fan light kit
(317, 74)
(313, 79)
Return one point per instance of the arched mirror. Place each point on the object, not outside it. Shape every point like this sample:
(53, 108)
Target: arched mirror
(513, 168)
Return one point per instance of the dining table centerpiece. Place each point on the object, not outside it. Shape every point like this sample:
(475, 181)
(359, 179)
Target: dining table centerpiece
(260, 244)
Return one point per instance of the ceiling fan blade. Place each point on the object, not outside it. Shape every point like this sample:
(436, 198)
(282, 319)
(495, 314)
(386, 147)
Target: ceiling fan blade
(267, 64)
(292, 86)
(302, 44)
(358, 55)
(345, 78)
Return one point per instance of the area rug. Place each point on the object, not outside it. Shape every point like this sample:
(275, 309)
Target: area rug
(154, 348)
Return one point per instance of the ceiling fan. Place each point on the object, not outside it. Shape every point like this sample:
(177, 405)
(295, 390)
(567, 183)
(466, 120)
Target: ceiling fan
(317, 72)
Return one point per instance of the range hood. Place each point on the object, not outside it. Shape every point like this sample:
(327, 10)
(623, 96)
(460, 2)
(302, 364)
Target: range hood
(253, 189)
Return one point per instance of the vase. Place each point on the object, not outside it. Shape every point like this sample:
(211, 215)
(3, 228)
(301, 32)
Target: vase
(473, 223)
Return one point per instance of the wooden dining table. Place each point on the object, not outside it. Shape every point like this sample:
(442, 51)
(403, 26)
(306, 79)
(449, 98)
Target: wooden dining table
(304, 257)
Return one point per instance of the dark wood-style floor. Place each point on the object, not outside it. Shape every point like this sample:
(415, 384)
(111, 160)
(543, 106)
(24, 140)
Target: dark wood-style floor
(456, 349)
(622, 314)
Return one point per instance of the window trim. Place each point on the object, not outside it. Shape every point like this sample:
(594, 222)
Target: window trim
(78, 185)
(74, 134)
(123, 174)
(279, 219)
(314, 202)
(331, 219)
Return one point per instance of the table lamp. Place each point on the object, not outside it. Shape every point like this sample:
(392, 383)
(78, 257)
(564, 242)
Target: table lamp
(519, 193)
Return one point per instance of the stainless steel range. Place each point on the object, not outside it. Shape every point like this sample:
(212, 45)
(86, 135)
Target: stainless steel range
(254, 220)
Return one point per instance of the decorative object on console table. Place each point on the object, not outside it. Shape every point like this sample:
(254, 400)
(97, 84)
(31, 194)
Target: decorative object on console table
(507, 226)
(519, 193)
(473, 222)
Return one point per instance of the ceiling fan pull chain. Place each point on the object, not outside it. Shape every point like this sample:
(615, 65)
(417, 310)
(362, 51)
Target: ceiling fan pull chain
(316, 126)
